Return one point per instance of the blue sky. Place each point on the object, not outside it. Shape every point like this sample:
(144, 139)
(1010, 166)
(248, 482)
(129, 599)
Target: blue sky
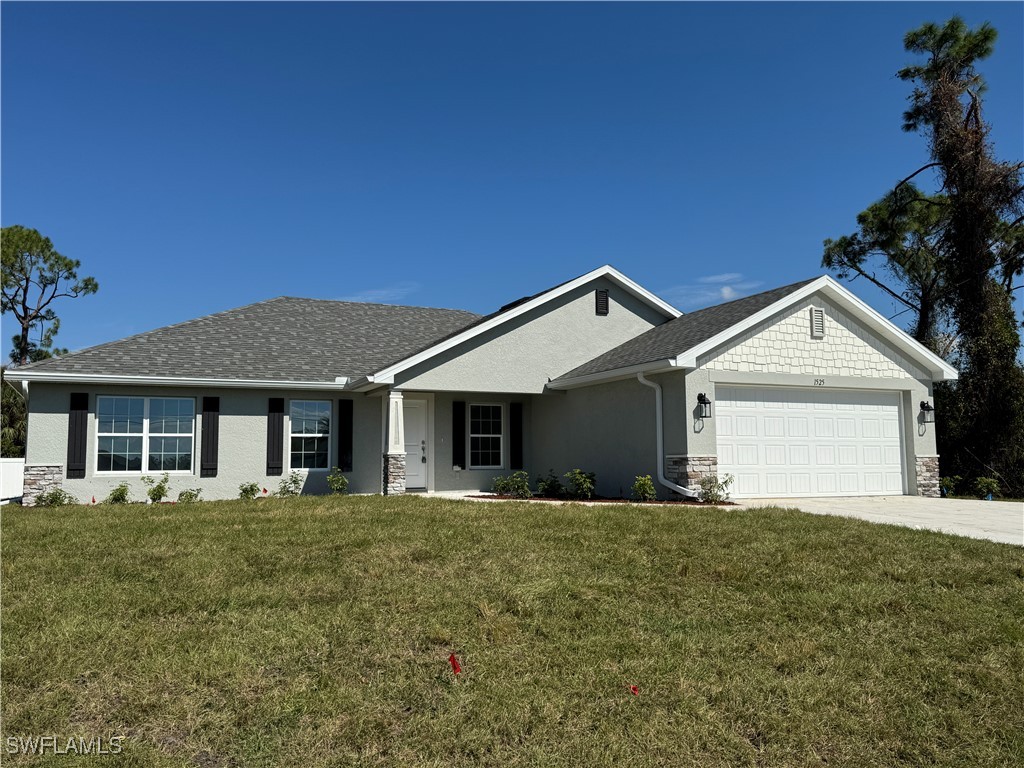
(197, 157)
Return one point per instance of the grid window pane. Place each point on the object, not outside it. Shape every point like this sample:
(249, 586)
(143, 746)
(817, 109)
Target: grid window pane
(485, 435)
(169, 454)
(119, 454)
(310, 428)
(309, 452)
(171, 415)
(121, 415)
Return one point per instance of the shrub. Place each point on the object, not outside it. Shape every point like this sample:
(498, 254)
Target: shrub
(336, 481)
(985, 487)
(516, 485)
(291, 485)
(248, 491)
(120, 495)
(55, 497)
(949, 485)
(581, 484)
(550, 487)
(643, 488)
(714, 490)
(189, 495)
(157, 490)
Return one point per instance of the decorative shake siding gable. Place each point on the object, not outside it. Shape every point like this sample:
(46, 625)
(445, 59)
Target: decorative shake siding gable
(784, 345)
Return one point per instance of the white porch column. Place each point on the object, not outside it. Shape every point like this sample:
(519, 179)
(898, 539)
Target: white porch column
(396, 423)
(394, 459)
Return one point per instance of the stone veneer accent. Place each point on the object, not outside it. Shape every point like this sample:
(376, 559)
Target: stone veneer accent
(394, 474)
(784, 345)
(928, 476)
(40, 478)
(688, 470)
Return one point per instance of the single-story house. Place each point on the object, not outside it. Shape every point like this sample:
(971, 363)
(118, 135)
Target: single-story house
(801, 390)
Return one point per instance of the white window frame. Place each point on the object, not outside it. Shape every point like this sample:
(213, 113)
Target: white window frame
(145, 434)
(330, 435)
(471, 435)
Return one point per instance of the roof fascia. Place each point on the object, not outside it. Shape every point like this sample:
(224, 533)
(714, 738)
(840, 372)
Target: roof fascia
(939, 369)
(170, 381)
(387, 375)
(602, 377)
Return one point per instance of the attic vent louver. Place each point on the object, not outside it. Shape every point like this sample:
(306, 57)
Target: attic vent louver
(601, 302)
(817, 323)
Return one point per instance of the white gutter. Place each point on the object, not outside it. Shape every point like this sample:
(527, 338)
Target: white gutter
(170, 381)
(656, 366)
(688, 493)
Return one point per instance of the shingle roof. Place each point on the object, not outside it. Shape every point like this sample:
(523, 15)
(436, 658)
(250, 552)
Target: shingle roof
(282, 339)
(685, 332)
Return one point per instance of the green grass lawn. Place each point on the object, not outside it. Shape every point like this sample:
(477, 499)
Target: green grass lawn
(315, 632)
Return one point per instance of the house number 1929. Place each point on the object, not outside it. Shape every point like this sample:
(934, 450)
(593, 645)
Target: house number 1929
(819, 382)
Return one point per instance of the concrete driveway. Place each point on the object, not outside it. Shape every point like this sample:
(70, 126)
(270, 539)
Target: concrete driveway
(993, 520)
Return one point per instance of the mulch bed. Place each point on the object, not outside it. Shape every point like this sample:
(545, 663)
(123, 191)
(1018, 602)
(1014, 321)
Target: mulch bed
(605, 500)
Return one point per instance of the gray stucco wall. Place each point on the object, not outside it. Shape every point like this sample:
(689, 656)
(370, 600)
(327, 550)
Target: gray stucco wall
(242, 444)
(523, 354)
(608, 429)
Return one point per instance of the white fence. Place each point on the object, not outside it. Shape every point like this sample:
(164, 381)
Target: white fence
(12, 479)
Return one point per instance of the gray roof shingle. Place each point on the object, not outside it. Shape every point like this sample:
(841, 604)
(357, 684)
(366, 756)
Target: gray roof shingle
(685, 332)
(282, 339)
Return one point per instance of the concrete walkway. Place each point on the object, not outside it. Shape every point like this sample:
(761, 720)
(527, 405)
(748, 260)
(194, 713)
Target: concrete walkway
(993, 520)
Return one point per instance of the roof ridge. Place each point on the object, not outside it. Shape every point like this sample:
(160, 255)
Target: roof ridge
(375, 304)
(791, 286)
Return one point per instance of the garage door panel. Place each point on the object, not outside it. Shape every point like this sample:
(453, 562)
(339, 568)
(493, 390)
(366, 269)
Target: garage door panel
(793, 442)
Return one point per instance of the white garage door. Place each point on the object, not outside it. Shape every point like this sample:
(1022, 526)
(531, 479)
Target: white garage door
(809, 442)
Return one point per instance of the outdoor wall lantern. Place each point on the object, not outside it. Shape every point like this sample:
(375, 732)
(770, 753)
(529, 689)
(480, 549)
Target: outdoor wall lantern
(703, 406)
(927, 412)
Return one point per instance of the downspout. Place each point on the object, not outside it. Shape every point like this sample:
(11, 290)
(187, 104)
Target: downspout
(688, 493)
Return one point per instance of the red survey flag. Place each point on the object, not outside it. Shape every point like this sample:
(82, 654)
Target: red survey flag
(456, 667)
(635, 690)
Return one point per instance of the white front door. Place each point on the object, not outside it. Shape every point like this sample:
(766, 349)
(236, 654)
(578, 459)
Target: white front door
(809, 442)
(415, 443)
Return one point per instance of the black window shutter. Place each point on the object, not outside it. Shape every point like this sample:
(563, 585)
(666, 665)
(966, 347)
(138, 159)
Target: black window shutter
(601, 302)
(211, 437)
(78, 427)
(459, 434)
(275, 436)
(345, 431)
(515, 435)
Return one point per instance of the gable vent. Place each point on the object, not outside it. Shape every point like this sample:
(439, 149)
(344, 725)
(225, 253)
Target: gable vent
(601, 302)
(817, 323)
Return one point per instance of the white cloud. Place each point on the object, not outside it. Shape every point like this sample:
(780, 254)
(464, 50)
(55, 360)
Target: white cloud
(386, 295)
(709, 290)
(725, 277)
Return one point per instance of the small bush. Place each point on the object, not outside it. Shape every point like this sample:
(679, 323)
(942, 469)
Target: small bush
(158, 491)
(248, 491)
(986, 486)
(516, 485)
(189, 495)
(714, 490)
(337, 482)
(291, 485)
(643, 488)
(55, 497)
(120, 495)
(550, 487)
(581, 484)
(949, 485)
